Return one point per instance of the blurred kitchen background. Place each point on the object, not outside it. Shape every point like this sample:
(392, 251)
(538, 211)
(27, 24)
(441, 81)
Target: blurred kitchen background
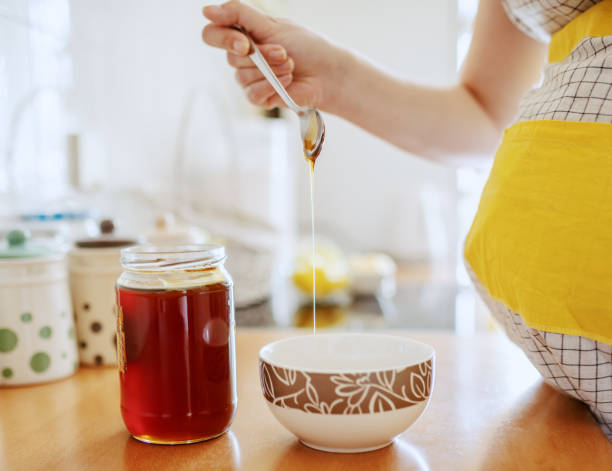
(116, 109)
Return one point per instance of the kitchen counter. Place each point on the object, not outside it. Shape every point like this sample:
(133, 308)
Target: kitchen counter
(489, 410)
(426, 298)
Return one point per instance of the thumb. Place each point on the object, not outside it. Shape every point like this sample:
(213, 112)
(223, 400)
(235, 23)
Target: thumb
(259, 25)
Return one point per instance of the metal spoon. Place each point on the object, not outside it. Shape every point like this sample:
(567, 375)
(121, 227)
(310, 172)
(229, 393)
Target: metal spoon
(312, 127)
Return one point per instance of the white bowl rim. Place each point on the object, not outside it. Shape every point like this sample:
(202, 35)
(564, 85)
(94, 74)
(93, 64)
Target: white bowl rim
(400, 365)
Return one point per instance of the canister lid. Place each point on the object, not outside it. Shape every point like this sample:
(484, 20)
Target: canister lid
(17, 245)
(168, 232)
(106, 239)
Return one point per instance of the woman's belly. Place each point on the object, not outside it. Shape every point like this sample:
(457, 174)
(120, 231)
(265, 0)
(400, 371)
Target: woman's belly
(541, 241)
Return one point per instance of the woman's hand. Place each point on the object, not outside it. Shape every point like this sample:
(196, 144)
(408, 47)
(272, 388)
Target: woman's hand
(307, 65)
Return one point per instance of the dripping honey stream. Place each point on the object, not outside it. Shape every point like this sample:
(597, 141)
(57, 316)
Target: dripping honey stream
(308, 146)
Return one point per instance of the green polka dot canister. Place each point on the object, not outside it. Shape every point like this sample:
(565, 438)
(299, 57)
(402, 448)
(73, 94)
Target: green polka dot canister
(94, 269)
(37, 341)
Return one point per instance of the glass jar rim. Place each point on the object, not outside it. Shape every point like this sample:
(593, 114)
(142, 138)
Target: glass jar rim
(161, 258)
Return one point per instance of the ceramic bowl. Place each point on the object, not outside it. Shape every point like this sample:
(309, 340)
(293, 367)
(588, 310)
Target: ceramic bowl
(347, 392)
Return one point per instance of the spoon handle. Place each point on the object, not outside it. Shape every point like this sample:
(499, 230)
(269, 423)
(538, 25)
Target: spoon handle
(258, 59)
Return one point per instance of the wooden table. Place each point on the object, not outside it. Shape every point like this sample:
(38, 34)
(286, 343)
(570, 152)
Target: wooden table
(489, 410)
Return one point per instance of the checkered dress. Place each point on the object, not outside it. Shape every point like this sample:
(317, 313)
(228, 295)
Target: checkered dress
(579, 88)
(576, 89)
(541, 18)
(578, 366)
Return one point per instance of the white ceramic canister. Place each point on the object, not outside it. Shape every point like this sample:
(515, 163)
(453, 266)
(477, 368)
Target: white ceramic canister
(37, 337)
(94, 269)
(168, 232)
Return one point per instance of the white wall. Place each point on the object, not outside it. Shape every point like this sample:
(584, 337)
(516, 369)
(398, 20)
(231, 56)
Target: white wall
(35, 80)
(138, 64)
(373, 195)
(154, 98)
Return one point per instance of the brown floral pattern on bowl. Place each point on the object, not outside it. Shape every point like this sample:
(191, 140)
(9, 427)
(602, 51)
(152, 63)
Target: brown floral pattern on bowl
(346, 393)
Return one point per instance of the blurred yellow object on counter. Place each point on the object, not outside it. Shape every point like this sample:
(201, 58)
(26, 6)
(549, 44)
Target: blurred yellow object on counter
(324, 284)
(331, 269)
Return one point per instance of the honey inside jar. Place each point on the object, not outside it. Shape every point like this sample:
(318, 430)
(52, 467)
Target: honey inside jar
(176, 356)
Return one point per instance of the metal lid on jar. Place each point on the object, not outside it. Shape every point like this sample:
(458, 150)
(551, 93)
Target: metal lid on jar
(153, 258)
(18, 246)
(107, 239)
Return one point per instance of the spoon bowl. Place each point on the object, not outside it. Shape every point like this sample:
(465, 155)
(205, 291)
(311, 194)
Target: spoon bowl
(312, 127)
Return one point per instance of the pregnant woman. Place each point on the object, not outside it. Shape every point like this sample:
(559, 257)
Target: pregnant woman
(540, 247)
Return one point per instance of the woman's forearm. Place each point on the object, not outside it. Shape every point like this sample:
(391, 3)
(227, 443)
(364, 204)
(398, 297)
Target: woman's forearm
(437, 123)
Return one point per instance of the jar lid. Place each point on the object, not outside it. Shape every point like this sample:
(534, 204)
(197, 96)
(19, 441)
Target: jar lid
(106, 240)
(18, 246)
(172, 258)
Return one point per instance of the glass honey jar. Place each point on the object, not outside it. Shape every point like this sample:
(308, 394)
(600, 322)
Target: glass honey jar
(175, 343)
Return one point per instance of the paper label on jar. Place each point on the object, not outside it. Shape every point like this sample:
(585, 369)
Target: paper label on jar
(121, 353)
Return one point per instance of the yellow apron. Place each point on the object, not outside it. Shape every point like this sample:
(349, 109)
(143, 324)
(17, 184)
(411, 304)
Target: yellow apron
(541, 242)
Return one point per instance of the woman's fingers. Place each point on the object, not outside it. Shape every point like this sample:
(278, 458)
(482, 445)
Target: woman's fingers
(261, 27)
(259, 92)
(238, 46)
(236, 13)
(273, 102)
(226, 38)
(274, 54)
(248, 75)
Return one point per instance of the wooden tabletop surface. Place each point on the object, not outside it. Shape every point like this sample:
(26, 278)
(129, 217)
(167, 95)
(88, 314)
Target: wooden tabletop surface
(489, 410)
